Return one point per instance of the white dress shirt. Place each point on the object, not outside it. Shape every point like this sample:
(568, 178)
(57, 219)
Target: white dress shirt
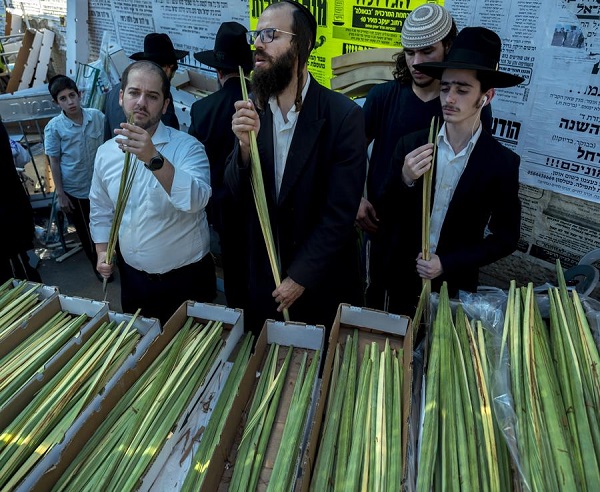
(283, 134)
(450, 167)
(159, 232)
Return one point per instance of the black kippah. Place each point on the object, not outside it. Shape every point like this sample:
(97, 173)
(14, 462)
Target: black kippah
(312, 22)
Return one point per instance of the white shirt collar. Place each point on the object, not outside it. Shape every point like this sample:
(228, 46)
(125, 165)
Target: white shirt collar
(292, 113)
(442, 138)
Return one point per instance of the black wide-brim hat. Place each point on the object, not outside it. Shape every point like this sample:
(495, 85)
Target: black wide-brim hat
(231, 49)
(475, 48)
(159, 49)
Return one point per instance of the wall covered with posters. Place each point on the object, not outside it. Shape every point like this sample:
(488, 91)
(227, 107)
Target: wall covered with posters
(552, 120)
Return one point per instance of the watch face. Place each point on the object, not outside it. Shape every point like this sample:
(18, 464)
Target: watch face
(156, 162)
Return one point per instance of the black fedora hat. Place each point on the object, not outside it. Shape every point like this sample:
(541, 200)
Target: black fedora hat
(231, 49)
(475, 48)
(159, 49)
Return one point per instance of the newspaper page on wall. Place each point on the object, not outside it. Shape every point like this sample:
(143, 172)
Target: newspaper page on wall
(552, 119)
(191, 24)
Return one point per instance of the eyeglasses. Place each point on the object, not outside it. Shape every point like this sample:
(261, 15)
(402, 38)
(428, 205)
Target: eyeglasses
(266, 35)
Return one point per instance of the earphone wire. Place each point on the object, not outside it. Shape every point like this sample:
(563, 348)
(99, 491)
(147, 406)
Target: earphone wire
(478, 117)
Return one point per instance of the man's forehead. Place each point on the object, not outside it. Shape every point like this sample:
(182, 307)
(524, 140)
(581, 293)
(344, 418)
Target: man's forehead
(144, 80)
(459, 77)
(67, 92)
(279, 17)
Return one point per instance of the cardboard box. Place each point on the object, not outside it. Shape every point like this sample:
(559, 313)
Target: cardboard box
(301, 336)
(373, 326)
(97, 312)
(200, 406)
(169, 471)
(47, 302)
(50, 468)
(189, 86)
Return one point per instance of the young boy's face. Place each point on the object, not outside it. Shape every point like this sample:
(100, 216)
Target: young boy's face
(69, 101)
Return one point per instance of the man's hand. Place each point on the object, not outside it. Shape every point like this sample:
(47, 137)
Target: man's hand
(136, 141)
(431, 268)
(64, 203)
(287, 292)
(244, 120)
(417, 163)
(366, 218)
(103, 268)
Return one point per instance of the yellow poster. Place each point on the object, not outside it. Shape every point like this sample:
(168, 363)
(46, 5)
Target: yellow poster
(345, 26)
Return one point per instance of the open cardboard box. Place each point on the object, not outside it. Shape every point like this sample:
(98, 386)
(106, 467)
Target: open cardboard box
(50, 468)
(46, 296)
(301, 336)
(189, 86)
(373, 326)
(200, 407)
(96, 311)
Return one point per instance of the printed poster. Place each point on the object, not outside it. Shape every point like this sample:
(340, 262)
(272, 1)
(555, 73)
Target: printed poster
(344, 26)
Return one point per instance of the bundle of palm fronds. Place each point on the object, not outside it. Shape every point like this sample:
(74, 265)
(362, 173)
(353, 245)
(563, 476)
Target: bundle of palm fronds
(127, 179)
(260, 200)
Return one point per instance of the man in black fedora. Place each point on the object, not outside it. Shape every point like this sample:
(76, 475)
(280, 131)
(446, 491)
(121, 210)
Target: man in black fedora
(159, 49)
(211, 125)
(476, 212)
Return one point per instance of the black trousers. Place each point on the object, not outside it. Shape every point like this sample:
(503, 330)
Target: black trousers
(80, 218)
(159, 295)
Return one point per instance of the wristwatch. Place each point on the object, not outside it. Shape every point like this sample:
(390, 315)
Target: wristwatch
(156, 162)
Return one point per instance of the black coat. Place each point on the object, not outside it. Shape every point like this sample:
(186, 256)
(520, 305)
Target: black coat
(211, 125)
(313, 217)
(16, 213)
(482, 223)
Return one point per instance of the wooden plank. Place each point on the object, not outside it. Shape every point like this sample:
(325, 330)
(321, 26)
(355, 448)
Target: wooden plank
(384, 55)
(22, 57)
(376, 72)
(32, 60)
(41, 69)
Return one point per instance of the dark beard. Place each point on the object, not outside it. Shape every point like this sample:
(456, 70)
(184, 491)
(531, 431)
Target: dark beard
(273, 80)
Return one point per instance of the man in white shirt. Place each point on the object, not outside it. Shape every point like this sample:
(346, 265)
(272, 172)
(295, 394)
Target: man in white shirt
(475, 217)
(163, 238)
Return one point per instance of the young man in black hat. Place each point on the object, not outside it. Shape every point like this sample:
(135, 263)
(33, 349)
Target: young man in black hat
(476, 213)
(159, 49)
(399, 107)
(211, 125)
(312, 153)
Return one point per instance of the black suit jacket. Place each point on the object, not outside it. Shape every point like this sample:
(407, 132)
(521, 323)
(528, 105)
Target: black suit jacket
(16, 213)
(482, 223)
(313, 217)
(211, 125)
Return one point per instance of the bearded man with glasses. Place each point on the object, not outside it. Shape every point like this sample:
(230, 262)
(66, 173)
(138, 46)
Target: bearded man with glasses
(313, 157)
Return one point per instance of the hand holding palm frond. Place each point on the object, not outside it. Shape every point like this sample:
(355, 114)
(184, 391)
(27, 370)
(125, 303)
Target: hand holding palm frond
(260, 200)
(127, 179)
